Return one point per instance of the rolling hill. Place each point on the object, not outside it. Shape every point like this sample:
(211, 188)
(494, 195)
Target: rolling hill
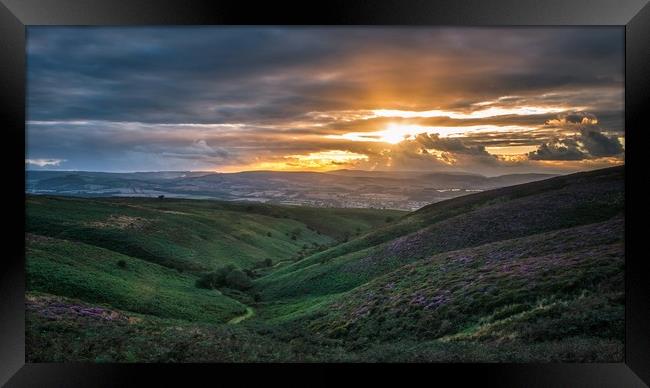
(463, 222)
(531, 272)
(196, 235)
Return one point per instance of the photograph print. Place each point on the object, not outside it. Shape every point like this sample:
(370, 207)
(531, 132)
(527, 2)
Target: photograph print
(324, 194)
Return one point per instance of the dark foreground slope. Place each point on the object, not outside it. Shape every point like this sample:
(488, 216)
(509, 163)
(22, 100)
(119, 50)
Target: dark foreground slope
(551, 288)
(525, 273)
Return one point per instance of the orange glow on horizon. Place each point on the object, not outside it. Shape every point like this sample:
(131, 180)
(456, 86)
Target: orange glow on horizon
(313, 161)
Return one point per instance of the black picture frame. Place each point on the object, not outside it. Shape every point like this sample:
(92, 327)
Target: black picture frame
(15, 15)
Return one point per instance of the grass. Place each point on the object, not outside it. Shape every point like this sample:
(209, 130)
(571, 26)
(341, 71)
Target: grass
(528, 273)
(61, 329)
(459, 223)
(78, 270)
(192, 235)
(545, 287)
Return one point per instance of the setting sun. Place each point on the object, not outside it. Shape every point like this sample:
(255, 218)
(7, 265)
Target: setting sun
(396, 133)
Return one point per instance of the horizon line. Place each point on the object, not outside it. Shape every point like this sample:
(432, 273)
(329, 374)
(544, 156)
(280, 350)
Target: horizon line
(308, 171)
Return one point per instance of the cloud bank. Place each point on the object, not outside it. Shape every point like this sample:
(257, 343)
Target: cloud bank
(487, 100)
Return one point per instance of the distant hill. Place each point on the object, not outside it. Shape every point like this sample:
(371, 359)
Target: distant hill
(343, 188)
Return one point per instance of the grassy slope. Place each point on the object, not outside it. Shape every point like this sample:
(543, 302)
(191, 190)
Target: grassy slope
(525, 273)
(543, 287)
(74, 246)
(83, 271)
(472, 220)
(193, 235)
(60, 329)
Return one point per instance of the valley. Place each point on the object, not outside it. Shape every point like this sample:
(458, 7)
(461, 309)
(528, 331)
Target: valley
(529, 272)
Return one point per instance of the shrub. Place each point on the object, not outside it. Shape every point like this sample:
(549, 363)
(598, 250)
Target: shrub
(121, 263)
(228, 276)
(389, 219)
(238, 280)
(214, 279)
(250, 273)
(295, 233)
(268, 234)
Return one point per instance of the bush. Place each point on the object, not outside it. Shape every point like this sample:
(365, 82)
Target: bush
(214, 279)
(238, 280)
(121, 263)
(295, 233)
(250, 273)
(268, 234)
(228, 276)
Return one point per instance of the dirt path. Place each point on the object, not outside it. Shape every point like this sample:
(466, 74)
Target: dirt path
(249, 313)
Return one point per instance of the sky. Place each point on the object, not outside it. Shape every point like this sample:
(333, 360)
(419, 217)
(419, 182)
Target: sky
(483, 100)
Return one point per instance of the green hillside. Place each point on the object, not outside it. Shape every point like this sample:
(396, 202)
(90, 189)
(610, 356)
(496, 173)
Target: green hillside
(196, 235)
(538, 289)
(83, 271)
(144, 255)
(532, 272)
(463, 222)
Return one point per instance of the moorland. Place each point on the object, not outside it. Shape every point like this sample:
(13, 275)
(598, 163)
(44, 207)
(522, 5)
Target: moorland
(530, 272)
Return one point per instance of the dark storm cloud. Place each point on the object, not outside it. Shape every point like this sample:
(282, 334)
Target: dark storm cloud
(204, 74)
(558, 149)
(134, 86)
(599, 145)
(590, 143)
